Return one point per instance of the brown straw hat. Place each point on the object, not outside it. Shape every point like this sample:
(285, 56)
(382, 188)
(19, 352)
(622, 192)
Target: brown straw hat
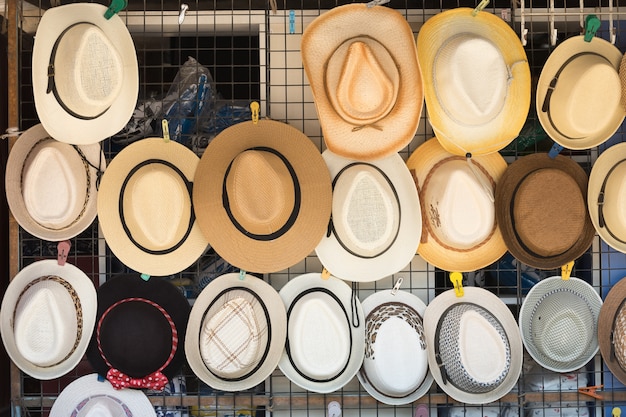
(612, 330)
(262, 195)
(541, 210)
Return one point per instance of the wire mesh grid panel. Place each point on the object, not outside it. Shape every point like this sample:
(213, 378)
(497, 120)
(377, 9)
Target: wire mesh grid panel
(250, 52)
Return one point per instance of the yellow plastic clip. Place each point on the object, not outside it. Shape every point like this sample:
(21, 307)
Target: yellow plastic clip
(566, 270)
(481, 6)
(325, 273)
(242, 274)
(616, 412)
(166, 130)
(457, 280)
(254, 107)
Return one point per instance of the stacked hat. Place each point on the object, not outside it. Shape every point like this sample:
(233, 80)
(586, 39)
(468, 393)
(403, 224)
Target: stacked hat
(612, 331)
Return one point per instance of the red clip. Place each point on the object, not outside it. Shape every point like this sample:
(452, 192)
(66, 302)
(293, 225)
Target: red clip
(63, 249)
(591, 391)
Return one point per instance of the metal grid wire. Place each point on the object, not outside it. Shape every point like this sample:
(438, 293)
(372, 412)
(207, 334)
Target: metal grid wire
(253, 54)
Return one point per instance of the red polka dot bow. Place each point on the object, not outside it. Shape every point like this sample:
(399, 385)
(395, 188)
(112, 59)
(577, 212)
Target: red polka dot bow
(119, 380)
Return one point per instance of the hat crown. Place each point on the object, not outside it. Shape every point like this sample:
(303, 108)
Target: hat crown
(619, 336)
(102, 406)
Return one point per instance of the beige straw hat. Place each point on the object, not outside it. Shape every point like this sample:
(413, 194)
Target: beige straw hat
(612, 330)
(362, 65)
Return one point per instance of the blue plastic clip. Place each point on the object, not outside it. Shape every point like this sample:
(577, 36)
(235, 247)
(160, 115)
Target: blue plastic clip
(115, 7)
(101, 378)
(592, 24)
(292, 21)
(555, 150)
(145, 277)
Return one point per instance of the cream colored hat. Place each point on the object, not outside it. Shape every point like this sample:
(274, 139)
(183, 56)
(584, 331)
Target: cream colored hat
(579, 93)
(476, 80)
(475, 349)
(376, 222)
(85, 73)
(51, 185)
(47, 317)
(236, 332)
(395, 367)
(151, 231)
(325, 333)
(362, 65)
(460, 231)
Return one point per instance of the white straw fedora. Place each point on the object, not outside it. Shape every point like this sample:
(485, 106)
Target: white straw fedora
(89, 397)
(376, 221)
(395, 367)
(47, 317)
(476, 80)
(236, 332)
(606, 196)
(460, 231)
(145, 207)
(51, 186)
(579, 93)
(85, 73)
(559, 321)
(325, 333)
(475, 349)
(362, 65)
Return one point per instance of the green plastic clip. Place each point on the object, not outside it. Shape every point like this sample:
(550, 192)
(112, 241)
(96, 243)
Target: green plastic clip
(145, 277)
(592, 24)
(115, 7)
(242, 274)
(481, 6)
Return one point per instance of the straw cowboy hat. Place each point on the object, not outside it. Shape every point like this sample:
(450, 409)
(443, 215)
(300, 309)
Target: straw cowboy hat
(362, 65)
(51, 186)
(47, 317)
(89, 397)
(236, 332)
(140, 332)
(606, 196)
(612, 331)
(579, 92)
(85, 73)
(541, 210)
(325, 333)
(558, 321)
(376, 222)
(145, 207)
(395, 367)
(262, 195)
(460, 231)
(476, 80)
(475, 350)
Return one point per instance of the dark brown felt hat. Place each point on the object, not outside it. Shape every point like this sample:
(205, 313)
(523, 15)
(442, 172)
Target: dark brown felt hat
(541, 209)
(612, 330)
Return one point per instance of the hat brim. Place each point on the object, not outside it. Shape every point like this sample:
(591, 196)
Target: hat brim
(60, 124)
(420, 163)
(88, 301)
(275, 310)
(498, 309)
(455, 137)
(13, 182)
(568, 48)
(89, 387)
(606, 320)
(113, 229)
(290, 293)
(505, 193)
(351, 267)
(299, 240)
(323, 36)
(371, 303)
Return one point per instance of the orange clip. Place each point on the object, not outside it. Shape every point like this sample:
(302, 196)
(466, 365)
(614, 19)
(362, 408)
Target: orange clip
(591, 391)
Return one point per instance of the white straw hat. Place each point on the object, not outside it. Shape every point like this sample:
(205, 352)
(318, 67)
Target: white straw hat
(85, 73)
(51, 186)
(325, 333)
(47, 317)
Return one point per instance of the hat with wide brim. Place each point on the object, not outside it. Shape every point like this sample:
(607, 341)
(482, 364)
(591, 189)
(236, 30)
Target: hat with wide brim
(262, 195)
(605, 196)
(64, 299)
(325, 333)
(541, 210)
(88, 394)
(362, 66)
(484, 332)
(558, 321)
(51, 185)
(395, 368)
(376, 220)
(151, 231)
(60, 123)
(611, 329)
(458, 192)
(224, 306)
(579, 92)
(140, 332)
(476, 80)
